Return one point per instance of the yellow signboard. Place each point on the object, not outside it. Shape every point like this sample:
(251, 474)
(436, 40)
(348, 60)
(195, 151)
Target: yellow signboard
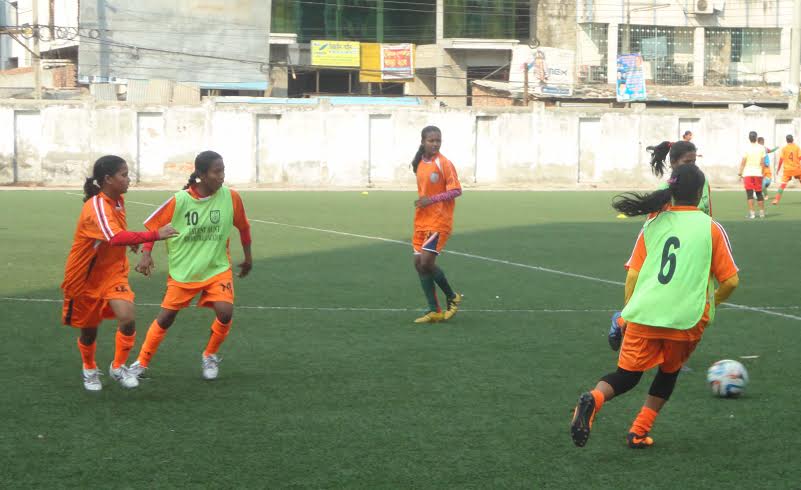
(335, 53)
(387, 63)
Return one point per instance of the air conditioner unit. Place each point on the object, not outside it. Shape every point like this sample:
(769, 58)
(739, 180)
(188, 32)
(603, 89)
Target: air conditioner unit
(703, 7)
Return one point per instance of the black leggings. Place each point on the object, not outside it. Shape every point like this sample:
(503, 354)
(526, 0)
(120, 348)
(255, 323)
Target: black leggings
(759, 195)
(622, 381)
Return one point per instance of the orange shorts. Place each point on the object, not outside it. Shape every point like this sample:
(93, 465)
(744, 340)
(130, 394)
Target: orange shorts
(788, 177)
(216, 288)
(641, 354)
(90, 309)
(430, 241)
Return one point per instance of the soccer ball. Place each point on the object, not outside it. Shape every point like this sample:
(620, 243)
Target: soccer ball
(727, 378)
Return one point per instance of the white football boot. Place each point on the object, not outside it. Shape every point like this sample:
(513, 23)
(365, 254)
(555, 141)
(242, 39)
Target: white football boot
(211, 366)
(91, 379)
(123, 376)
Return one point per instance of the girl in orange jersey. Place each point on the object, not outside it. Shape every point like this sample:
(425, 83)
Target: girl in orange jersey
(205, 212)
(96, 274)
(437, 186)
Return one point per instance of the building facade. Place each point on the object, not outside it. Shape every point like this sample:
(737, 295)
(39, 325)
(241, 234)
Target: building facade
(688, 42)
(713, 43)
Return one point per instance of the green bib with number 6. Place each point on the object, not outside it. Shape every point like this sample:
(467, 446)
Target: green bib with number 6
(674, 284)
(201, 249)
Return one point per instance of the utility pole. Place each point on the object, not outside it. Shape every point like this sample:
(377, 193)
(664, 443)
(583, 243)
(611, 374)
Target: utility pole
(37, 60)
(627, 32)
(795, 51)
(525, 84)
(269, 90)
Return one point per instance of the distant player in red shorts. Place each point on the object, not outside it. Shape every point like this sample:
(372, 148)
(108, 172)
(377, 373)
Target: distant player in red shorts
(751, 173)
(96, 274)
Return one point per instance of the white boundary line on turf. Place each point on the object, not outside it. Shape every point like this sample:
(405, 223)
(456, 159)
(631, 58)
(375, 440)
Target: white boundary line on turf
(488, 259)
(393, 310)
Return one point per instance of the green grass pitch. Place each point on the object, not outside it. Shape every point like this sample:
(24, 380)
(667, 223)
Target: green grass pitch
(326, 383)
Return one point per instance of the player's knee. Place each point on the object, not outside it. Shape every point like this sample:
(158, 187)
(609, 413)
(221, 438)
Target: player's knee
(622, 380)
(760, 197)
(127, 326)
(663, 384)
(225, 316)
(749, 193)
(126, 316)
(88, 336)
(166, 318)
(426, 267)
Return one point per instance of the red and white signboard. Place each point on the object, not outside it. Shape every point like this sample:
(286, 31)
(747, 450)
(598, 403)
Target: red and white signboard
(397, 61)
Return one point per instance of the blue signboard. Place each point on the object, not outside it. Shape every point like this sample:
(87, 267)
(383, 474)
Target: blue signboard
(630, 78)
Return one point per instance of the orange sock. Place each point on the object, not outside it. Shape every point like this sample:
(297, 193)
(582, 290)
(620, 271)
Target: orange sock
(155, 334)
(122, 346)
(88, 355)
(644, 421)
(218, 333)
(599, 399)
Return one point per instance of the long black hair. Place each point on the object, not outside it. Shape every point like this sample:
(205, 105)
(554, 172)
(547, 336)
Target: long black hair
(661, 151)
(684, 187)
(203, 162)
(107, 165)
(419, 155)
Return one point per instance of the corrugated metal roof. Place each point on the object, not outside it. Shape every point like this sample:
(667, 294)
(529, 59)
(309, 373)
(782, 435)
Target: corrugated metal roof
(150, 91)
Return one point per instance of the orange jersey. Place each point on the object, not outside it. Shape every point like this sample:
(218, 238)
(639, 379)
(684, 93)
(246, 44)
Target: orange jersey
(163, 216)
(722, 268)
(790, 159)
(92, 261)
(435, 177)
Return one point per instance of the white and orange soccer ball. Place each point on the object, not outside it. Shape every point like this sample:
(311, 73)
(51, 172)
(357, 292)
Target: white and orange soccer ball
(727, 378)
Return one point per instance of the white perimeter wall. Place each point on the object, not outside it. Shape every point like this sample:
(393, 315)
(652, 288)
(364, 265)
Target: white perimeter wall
(55, 142)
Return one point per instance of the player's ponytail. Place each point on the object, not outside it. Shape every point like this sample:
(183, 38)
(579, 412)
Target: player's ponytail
(203, 162)
(684, 188)
(660, 152)
(417, 157)
(658, 155)
(192, 180)
(90, 189)
(420, 150)
(107, 165)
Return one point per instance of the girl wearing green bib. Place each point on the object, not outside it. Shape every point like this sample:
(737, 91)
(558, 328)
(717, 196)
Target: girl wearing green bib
(669, 298)
(204, 213)
(681, 153)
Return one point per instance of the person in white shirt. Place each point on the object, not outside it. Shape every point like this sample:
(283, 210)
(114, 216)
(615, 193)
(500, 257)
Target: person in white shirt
(751, 173)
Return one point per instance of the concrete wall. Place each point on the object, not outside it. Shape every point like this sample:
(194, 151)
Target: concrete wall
(313, 145)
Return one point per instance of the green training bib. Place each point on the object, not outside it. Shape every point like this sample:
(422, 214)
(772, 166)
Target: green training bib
(674, 285)
(201, 249)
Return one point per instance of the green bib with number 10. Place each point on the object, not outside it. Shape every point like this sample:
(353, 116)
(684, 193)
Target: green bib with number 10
(201, 249)
(674, 285)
